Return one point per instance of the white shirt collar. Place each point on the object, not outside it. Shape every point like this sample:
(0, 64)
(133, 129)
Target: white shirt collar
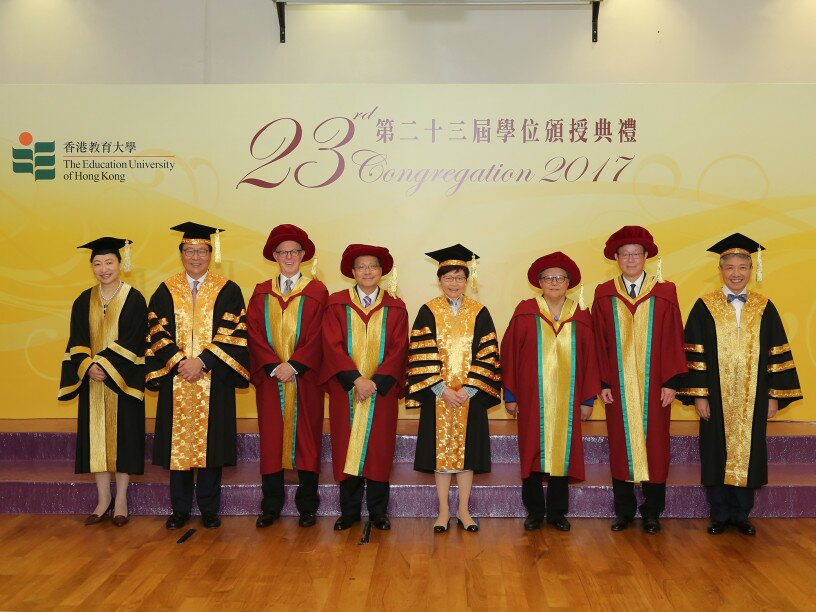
(191, 281)
(638, 283)
(373, 295)
(282, 278)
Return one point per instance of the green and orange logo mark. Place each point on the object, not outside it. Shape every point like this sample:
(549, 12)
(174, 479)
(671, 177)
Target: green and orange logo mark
(39, 160)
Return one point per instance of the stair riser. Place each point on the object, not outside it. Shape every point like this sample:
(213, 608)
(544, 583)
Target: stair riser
(16, 446)
(797, 501)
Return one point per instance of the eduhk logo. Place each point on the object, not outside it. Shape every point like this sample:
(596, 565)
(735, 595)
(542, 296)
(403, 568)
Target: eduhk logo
(35, 158)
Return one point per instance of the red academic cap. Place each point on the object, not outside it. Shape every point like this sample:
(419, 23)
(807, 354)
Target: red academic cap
(630, 234)
(554, 260)
(285, 232)
(353, 251)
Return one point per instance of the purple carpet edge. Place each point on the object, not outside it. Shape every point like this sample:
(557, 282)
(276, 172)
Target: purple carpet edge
(54, 446)
(418, 500)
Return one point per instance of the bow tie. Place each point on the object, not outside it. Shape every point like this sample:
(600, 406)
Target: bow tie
(741, 297)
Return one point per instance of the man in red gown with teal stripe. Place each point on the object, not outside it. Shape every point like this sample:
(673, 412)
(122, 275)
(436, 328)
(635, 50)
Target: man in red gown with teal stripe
(284, 320)
(365, 354)
(639, 336)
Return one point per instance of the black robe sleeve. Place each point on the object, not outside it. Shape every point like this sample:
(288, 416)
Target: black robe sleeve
(701, 354)
(783, 380)
(424, 362)
(78, 357)
(485, 368)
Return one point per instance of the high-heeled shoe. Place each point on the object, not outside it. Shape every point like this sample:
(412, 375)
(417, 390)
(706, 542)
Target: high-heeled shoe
(442, 528)
(472, 528)
(93, 519)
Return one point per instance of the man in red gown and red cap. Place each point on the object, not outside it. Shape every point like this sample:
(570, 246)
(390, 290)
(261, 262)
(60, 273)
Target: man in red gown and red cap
(365, 354)
(639, 336)
(284, 320)
(550, 376)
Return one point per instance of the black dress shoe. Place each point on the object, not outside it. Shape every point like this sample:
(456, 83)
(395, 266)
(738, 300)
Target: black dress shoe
(715, 527)
(93, 519)
(381, 522)
(210, 520)
(471, 528)
(442, 528)
(307, 519)
(177, 520)
(745, 527)
(621, 523)
(651, 524)
(345, 522)
(532, 523)
(561, 524)
(266, 519)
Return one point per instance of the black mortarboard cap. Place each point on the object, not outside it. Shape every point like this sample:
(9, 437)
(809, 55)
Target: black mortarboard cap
(736, 244)
(106, 244)
(195, 231)
(456, 255)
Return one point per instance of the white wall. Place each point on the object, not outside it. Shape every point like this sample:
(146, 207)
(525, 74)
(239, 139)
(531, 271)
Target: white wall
(236, 41)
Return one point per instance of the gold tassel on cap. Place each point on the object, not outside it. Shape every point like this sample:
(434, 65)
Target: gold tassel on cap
(217, 247)
(392, 282)
(759, 265)
(314, 267)
(474, 277)
(126, 261)
(581, 303)
(659, 269)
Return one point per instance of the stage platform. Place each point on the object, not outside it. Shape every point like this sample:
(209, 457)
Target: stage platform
(36, 475)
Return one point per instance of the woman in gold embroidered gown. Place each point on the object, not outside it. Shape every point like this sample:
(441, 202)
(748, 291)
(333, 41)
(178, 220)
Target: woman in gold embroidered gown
(104, 367)
(453, 377)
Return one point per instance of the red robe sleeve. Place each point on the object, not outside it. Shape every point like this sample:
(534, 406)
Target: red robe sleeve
(335, 350)
(672, 352)
(308, 350)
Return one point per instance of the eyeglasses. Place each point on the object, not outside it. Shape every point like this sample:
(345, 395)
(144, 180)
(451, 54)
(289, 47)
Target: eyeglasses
(371, 267)
(193, 253)
(554, 280)
(291, 253)
(453, 279)
(631, 255)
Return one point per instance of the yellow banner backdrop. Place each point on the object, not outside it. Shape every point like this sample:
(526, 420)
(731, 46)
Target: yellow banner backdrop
(512, 171)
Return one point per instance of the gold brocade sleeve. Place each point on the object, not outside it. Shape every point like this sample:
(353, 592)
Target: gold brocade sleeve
(424, 361)
(484, 373)
(229, 341)
(162, 354)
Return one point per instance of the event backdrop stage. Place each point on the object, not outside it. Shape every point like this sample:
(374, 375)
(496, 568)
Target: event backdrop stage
(512, 171)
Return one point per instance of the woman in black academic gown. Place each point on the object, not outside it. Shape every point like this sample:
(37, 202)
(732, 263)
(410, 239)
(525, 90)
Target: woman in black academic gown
(453, 377)
(104, 367)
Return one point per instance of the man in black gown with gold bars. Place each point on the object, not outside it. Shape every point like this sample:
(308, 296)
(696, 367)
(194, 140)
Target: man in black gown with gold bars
(196, 358)
(741, 372)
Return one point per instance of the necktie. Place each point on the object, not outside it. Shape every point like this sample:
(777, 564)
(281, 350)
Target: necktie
(741, 297)
(287, 287)
(366, 301)
(632, 292)
(195, 290)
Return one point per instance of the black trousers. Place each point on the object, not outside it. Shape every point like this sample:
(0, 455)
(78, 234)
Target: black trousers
(556, 504)
(351, 496)
(207, 485)
(730, 504)
(306, 496)
(654, 498)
